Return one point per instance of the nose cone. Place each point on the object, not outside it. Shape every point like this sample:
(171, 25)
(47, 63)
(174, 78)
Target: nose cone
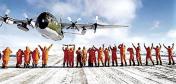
(42, 20)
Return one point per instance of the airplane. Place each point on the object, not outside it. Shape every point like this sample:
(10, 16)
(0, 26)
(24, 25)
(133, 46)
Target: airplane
(49, 27)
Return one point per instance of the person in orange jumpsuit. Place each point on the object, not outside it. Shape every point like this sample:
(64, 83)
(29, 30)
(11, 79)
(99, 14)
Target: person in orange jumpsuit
(6, 57)
(65, 55)
(122, 54)
(138, 54)
(84, 56)
(148, 54)
(19, 55)
(71, 55)
(27, 57)
(35, 57)
(114, 55)
(79, 57)
(130, 50)
(100, 55)
(158, 56)
(92, 56)
(45, 51)
(170, 54)
(107, 58)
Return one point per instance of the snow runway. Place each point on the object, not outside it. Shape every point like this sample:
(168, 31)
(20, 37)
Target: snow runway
(55, 74)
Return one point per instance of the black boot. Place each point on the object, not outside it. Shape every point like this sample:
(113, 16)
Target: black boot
(121, 64)
(160, 62)
(130, 63)
(157, 63)
(138, 63)
(33, 65)
(36, 66)
(112, 63)
(169, 63)
(146, 63)
(116, 63)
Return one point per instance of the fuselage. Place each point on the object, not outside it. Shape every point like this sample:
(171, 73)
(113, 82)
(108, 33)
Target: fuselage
(49, 27)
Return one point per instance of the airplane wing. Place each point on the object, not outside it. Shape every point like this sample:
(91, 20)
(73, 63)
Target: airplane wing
(89, 26)
(20, 21)
(1, 18)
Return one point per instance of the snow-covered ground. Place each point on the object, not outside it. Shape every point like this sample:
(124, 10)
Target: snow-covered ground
(55, 74)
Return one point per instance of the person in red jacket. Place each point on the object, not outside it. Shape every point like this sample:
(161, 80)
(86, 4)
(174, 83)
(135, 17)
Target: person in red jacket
(19, 55)
(130, 50)
(148, 54)
(107, 58)
(27, 57)
(79, 57)
(35, 57)
(122, 54)
(92, 56)
(138, 54)
(65, 55)
(170, 54)
(158, 56)
(114, 55)
(71, 55)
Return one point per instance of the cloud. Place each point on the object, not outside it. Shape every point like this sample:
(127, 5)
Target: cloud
(156, 24)
(172, 33)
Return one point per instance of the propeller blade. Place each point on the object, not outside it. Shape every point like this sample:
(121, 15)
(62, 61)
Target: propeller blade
(7, 12)
(77, 28)
(96, 18)
(69, 18)
(78, 19)
(25, 15)
(1, 24)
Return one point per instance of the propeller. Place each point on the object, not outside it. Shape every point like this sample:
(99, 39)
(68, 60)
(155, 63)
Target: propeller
(5, 17)
(29, 21)
(73, 24)
(7, 12)
(94, 25)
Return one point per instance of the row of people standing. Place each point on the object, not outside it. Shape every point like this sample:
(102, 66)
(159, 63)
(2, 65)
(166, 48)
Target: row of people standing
(26, 56)
(103, 57)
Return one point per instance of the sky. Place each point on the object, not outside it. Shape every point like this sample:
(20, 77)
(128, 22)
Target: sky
(149, 21)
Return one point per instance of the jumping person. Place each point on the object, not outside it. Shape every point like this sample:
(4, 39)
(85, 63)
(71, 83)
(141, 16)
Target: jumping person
(122, 54)
(149, 53)
(170, 54)
(19, 55)
(71, 55)
(35, 57)
(65, 55)
(27, 57)
(114, 55)
(84, 56)
(130, 50)
(6, 57)
(45, 51)
(158, 56)
(79, 57)
(138, 54)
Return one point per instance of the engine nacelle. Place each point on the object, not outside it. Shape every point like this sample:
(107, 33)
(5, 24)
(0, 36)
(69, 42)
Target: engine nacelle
(21, 27)
(8, 21)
